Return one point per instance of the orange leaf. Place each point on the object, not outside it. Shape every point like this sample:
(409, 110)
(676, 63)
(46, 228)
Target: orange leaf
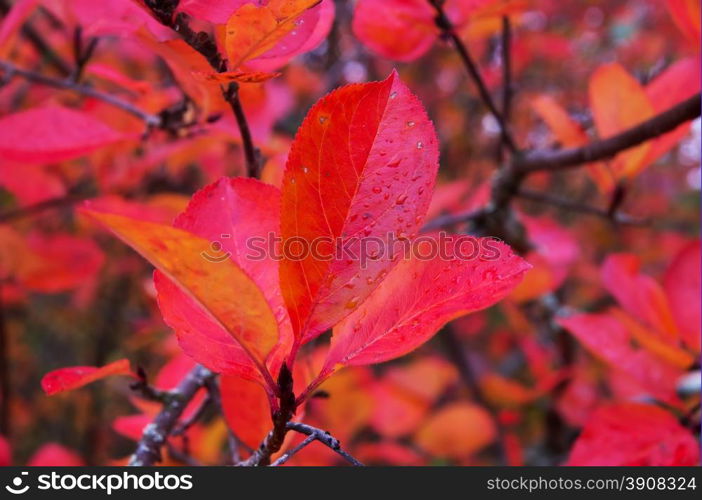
(619, 102)
(457, 431)
(252, 31)
(221, 287)
(235, 76)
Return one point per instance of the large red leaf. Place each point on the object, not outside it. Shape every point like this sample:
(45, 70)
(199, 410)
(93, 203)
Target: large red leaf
(67, 379)
(362, 165)
(231, 213)
(51, 134)
(683, 288)
(418, 297)
(633, 434)
(220, 287)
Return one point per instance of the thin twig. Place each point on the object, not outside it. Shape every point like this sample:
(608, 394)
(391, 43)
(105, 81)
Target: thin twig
(450, 220)
(251, 154)
(507, 89)
(156, 433)
(68, 84)
(666, 121)
(324, 438)
(289, 454)
(446, 27)
(164, 11)
(147, 391)
(565, 204)
(17, 213)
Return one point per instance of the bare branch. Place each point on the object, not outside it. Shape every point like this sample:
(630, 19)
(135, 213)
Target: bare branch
(289, 454)
(446, 27)
(251, 153)
(11, 70)
(156, 433)
(507, 88)
(606, 148)
(324, 438)
(615, 217)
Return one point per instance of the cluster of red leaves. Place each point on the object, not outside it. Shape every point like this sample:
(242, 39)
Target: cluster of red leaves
(363, 162)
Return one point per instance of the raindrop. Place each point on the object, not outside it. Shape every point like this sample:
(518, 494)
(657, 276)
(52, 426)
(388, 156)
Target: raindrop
(377, 189)
(353, 303)
(305, 169)
(386, 196)
(401, 199)
(393, 95)
(420, 190)
(410, 123)
(420, 145)
(394, 163)
(367, 215)
(322, 119)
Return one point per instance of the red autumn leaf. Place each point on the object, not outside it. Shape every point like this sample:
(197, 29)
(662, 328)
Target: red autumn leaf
(220, 286)
(682, 286)
(52, 134)
(362, 165)
(638, 294)
(207, 10)
(34, 184)
(607, 338)
(686, 14)
(678, 82)
(418, 297)
(5, 452)
(633, 434)
(401, 30)
(131, 426)
(230, 214)
(61, 262)
(55, 455)
(67, 379)
(554, 251)
(246, 409)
